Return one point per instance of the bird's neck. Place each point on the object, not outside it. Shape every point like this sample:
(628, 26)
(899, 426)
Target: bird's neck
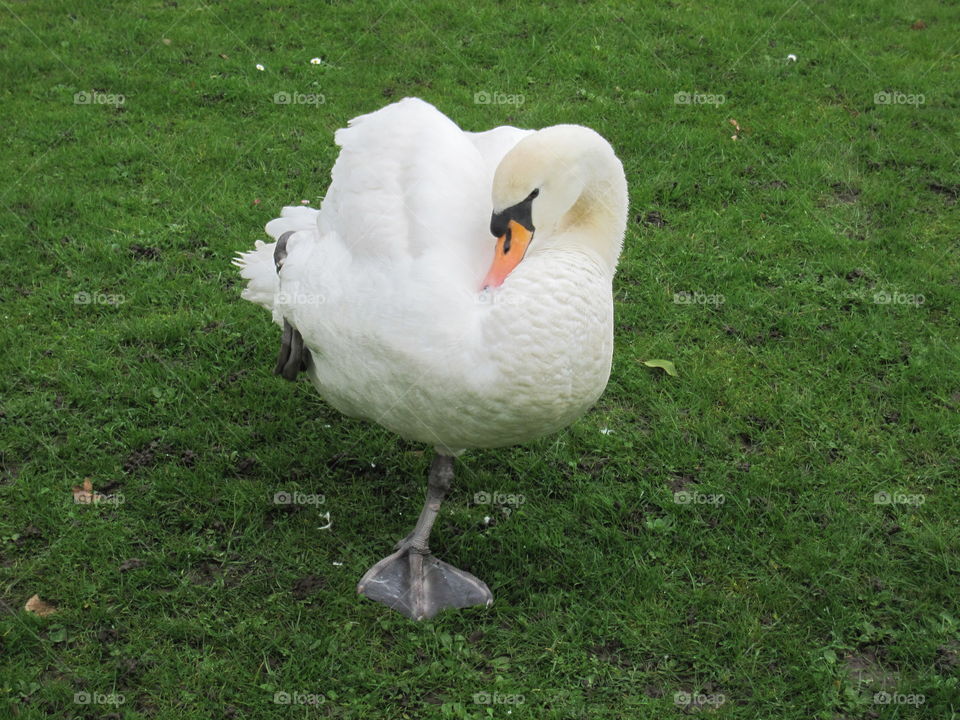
(596, 221)
(594, 225)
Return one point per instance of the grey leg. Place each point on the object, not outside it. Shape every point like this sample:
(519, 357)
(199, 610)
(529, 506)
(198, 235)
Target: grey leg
(414, 582)
(293, 355)
(438, 485)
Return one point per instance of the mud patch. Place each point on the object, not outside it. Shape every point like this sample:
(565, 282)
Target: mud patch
(245, 467)
(845, 194)
(154, 452)
(610, 652)
(307, 586)
(143, 457)
(142, 252)
(949, 192)
(130, 564)
(205, 573)
(948, 658)
(652, 219)
(682, 481)
(865, 673)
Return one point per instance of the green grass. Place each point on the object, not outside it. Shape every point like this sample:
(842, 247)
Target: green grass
(799, 397)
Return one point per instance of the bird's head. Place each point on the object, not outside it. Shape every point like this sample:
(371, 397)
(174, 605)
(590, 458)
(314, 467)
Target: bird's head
(551, 181)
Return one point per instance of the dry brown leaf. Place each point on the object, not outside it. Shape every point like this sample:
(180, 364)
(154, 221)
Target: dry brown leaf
(918, 25)
(736, 125)
(85, 495)
(38, 607)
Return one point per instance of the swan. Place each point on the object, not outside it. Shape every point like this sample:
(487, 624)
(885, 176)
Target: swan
(455, 288)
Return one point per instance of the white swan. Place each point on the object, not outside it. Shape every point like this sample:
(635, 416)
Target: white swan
(404, 310)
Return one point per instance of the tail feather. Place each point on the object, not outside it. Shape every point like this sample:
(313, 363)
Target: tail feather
(257, 266)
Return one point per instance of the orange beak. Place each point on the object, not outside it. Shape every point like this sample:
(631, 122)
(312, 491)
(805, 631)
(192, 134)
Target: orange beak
(511, 247)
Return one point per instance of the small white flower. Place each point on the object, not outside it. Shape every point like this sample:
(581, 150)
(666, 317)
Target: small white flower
(338, 564)
(791, 57)
(260, 67)
(315, 61)
(605, 431)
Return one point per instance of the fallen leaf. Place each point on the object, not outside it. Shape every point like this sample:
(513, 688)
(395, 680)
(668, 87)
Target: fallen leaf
(84, 494)
(670, 368)
(736, 125)
(918, 25)
(224, 56)
(38, 607)
(130, 564)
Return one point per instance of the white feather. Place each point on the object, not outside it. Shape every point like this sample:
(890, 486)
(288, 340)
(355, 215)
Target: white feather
(383, 282)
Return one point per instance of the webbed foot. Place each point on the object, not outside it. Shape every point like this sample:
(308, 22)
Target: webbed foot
(419, 585)
(414, 582)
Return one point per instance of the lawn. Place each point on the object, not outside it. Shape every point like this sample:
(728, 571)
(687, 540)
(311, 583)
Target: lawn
(772, 533)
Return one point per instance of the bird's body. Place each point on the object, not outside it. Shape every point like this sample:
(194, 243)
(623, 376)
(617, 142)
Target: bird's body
(385, 283)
